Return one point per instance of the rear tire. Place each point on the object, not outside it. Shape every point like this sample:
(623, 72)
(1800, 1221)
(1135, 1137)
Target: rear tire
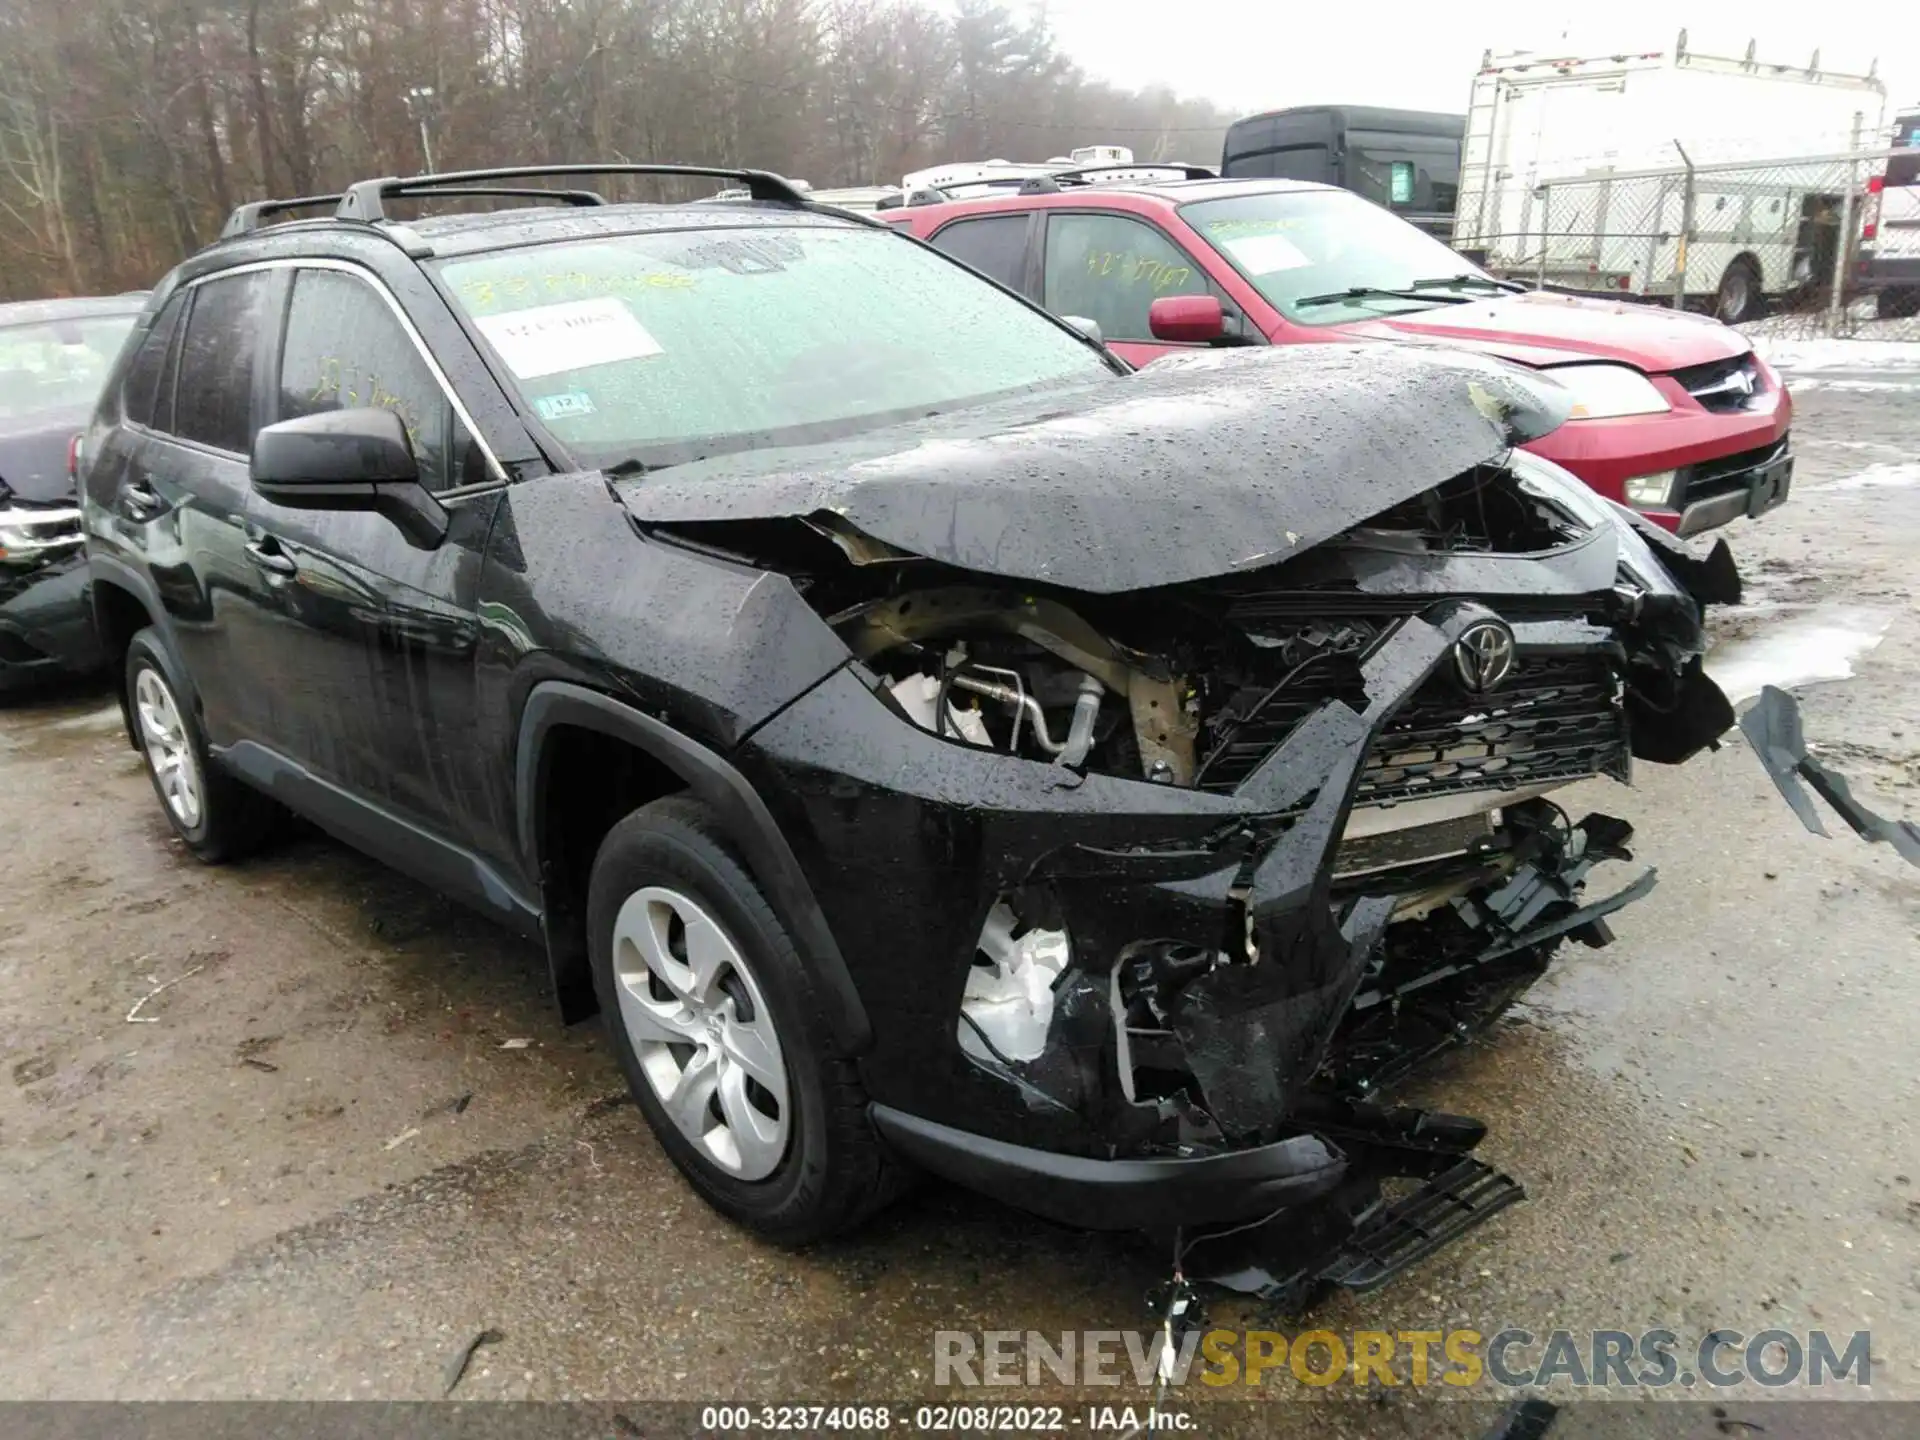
(716, 1022)
(216, 816)
(1899, 303)
(1737, 299)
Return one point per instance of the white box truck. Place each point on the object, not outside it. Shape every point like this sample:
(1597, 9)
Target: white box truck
(1573, 171)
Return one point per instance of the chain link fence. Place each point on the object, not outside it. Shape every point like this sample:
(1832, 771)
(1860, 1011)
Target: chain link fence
(1823, 245)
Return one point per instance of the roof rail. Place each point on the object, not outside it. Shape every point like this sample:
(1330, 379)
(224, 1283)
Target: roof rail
(1049, 182)
(366, 199)
(517, 192)
(934, 195)
(1187, 172)
(250, 217)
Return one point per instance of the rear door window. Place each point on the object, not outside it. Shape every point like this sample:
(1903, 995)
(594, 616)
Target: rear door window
(214, 394)
(345, 350)
(142, 385)
(1111, 268)
(995, 245)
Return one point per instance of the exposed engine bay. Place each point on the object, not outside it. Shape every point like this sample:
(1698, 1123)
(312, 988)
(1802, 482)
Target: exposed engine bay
(1472, 874)
(1195, 687)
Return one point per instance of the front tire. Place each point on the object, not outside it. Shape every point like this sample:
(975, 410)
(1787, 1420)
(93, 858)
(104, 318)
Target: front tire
(1738, 298)
(715, 1020)
(216, 816)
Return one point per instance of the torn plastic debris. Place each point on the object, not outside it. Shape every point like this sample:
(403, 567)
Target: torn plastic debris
(1772, 727)
(1008, 1003)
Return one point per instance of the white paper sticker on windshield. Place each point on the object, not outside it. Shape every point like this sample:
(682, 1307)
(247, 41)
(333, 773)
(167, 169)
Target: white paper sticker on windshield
(551, 338)
(1264, 254)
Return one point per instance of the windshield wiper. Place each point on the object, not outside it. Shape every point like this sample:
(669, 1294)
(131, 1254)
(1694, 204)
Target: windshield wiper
(1477, 282)
(1371, 292)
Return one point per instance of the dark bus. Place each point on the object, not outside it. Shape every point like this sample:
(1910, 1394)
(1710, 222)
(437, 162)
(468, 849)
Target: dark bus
(1406, 160)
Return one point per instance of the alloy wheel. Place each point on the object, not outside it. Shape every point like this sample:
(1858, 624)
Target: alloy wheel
(700, 1025)
(169, 749)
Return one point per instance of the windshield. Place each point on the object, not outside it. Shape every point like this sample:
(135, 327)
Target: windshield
(58, 365)
(1302, 244)
(666, 347)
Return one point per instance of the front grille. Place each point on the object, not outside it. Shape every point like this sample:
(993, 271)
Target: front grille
(1556, 718)
(1729, 474)
(1723, 386)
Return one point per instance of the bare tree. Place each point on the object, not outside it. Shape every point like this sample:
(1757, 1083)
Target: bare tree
(129, 128)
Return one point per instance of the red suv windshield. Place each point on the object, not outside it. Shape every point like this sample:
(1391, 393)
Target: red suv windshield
(1325, 257)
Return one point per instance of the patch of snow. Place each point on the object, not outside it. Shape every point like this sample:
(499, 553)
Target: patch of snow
(1801, 386)
(1883, 476)
(107, 717)
(1803, 355)
(1821, 644)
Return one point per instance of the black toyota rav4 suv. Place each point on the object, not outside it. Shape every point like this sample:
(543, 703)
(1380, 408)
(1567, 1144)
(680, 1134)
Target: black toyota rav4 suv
(931, 745)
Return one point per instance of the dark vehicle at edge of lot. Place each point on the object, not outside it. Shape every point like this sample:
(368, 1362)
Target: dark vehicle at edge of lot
(928, 743)
(1407, 161)
(54, 356)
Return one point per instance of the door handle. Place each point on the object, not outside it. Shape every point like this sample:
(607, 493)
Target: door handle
(143, 502)
(268, 555)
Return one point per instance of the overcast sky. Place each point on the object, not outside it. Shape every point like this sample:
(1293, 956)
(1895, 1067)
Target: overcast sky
(1262, 54)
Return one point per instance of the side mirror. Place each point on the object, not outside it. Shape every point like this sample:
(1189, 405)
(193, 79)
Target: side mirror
(348, 460)
(1187, 319)
(1088, 328)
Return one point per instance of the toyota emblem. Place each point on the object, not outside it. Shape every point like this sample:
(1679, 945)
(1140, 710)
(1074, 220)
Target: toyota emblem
(1483, 656)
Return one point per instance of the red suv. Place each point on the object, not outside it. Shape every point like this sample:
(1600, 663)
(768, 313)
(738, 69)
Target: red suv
(1675, 415)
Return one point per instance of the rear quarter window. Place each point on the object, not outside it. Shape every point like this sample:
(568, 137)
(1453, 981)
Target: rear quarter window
(214, 396)
(995, 245)
(141, 388)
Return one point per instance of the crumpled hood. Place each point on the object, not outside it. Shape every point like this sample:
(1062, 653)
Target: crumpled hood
(33, 454)
(1197, 466)
(1542, 328)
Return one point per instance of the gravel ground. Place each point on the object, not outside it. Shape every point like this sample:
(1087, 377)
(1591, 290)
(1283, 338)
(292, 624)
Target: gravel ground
(329, 1160)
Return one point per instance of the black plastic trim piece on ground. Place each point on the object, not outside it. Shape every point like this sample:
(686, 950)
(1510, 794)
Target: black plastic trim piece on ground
(1411, 1229)
(1772, 727)
(1527, 1419)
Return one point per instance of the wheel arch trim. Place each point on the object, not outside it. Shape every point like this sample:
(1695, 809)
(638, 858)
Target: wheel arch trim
(109, 570)
(744, 814)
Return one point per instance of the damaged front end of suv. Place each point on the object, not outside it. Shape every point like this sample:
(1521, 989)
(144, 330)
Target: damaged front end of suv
(1191, 773)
